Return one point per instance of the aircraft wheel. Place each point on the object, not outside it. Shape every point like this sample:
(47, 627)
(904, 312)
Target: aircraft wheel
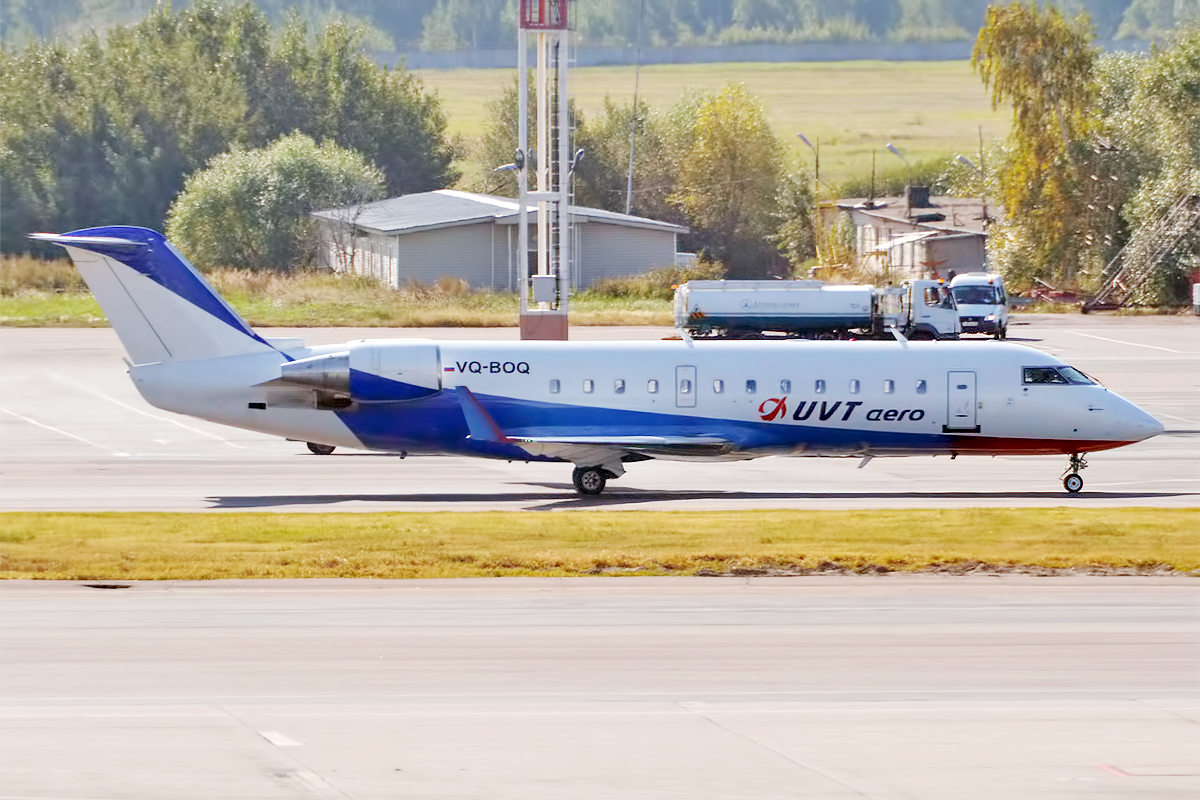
(1073, 483)
(588, 480)
(320, 449)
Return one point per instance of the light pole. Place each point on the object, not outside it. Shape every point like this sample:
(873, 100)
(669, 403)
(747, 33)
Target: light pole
(816, 148)
(908, 178)
(818, 224)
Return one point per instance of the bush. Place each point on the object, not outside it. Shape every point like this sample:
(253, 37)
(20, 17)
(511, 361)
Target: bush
(251, 209)
(657, 284)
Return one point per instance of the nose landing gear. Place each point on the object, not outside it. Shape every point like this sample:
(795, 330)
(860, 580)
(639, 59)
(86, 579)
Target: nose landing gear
(1071, 480)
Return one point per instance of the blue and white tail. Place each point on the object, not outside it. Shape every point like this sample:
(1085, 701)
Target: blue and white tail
(159, 305)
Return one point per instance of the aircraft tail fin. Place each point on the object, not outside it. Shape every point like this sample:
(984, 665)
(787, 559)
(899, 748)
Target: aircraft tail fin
(161, 308)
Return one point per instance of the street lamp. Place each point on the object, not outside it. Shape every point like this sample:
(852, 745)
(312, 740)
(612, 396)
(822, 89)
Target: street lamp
(816, 148)
(908, 172)
(818, 223)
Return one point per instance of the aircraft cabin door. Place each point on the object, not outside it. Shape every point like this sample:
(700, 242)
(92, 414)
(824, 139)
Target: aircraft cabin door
(960, 403)
(685, 387)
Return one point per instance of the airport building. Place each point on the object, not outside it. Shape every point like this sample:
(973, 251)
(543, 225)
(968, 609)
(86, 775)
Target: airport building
(918, 236)
(446, 233)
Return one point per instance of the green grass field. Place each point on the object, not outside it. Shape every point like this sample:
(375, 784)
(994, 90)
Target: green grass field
(146, 546)
(927, 109)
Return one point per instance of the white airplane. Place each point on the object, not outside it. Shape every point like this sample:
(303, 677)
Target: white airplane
(598, 405)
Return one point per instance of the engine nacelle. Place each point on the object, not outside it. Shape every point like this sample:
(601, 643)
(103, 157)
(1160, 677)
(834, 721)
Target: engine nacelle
(382, 371)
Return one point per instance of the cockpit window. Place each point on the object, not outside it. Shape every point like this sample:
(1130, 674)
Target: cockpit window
(1043, 375)
(1076, 376)
(1061, 375)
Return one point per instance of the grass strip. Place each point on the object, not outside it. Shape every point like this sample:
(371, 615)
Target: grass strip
(156, 546)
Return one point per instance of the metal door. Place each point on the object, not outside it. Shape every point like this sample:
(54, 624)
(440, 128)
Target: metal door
(960, 402)
(685, 387)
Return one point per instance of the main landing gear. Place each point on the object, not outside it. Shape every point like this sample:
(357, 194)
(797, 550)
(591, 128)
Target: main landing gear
(590, 480)
(1071, 480)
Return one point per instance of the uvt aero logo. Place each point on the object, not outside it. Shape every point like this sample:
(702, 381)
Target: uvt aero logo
(775, 408)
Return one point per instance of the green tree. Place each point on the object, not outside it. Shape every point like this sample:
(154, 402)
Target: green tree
(1150, 19)
(602, 180)
(1150, 117)
(727, 168)
(796, 224)
(1041, 64)
(251, 209)
(107, 130)
(330, 89)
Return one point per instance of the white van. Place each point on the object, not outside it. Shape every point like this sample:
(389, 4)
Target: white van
(982, 303)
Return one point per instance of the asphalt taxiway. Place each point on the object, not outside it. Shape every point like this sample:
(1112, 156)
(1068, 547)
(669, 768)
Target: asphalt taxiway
(77, 436)
(823, 688)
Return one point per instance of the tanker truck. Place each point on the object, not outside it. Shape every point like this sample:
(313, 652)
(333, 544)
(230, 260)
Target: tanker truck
(919, 309)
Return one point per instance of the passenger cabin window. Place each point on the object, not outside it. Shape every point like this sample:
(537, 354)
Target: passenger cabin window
(751, 387)
(921, 387)
(619, 386)
(554, 386)
(819, 387)
(652, 386)
(854, 384)
(718, 386)
(785, 386)
(588, 385)
(889, 387)
(685, 386)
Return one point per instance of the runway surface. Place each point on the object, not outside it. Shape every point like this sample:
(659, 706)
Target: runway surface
(77, 436)
(865, 687)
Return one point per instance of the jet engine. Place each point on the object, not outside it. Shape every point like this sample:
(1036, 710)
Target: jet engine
(371, 371)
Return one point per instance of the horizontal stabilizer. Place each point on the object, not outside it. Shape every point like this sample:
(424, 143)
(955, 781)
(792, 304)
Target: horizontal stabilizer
(69, 240)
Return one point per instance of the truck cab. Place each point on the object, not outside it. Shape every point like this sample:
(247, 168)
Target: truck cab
(920, 309)
(982, 303)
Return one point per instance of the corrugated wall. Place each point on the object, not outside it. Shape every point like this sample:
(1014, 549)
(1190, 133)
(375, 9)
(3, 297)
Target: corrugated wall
(615, 250)
(464, 251)
(480, 253)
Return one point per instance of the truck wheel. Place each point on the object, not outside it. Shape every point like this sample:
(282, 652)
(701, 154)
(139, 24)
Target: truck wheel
(320, 449)
(588, 480)
(1002, 332)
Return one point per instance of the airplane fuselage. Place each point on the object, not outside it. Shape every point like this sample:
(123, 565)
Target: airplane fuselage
(762, 398)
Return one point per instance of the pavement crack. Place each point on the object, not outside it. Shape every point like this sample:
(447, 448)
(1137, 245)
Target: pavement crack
(806, 767)
(318, 787)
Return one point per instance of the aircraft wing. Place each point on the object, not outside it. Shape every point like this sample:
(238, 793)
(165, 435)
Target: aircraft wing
(649, 446)
(587, 449)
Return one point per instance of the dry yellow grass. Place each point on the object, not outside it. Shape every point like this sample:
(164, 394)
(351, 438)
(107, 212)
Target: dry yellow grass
(145, 546)
(37, 293)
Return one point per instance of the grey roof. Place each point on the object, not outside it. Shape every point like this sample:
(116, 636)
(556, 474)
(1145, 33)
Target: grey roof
(961, 215)
(446, 208)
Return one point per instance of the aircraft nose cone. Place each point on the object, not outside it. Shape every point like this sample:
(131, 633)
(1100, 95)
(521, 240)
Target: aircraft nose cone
(1142, 425)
